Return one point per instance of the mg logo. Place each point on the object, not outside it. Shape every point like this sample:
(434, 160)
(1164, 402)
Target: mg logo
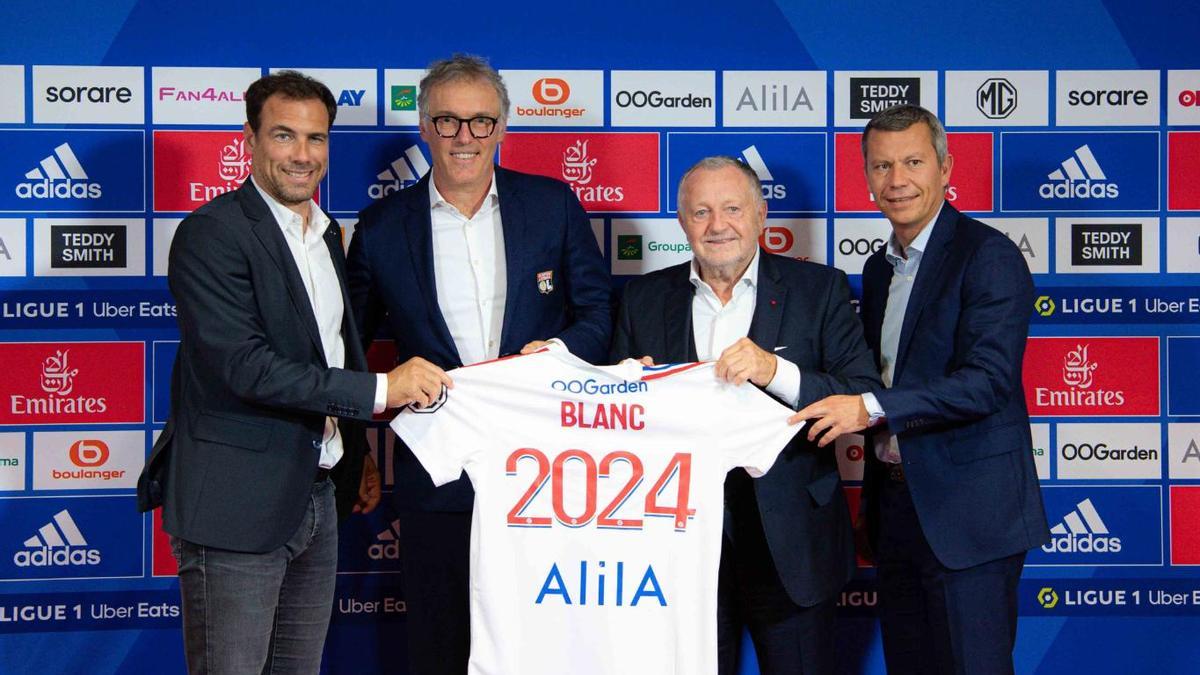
(89, 452)
(551, 91)
(996, 98)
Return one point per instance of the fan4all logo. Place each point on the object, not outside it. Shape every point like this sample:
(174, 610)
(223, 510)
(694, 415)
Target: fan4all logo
(58, 543)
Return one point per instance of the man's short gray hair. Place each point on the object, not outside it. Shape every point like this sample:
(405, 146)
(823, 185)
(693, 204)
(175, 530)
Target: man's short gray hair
(901, 117)
(457, 68)
(715, 163)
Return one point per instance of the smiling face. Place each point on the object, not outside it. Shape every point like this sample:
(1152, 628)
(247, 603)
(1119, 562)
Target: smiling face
(290, 151)
(904, 176)
(463, 165)
(722, 218)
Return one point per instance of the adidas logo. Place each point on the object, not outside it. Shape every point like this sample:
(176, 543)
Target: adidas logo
(401, 173)
(1080, 176)
(57, 543)
(59, 176)
(387, 546)
(755, 161)
(1082, 531)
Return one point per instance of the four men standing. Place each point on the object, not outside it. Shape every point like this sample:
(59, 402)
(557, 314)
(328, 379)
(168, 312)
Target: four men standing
(476, 262)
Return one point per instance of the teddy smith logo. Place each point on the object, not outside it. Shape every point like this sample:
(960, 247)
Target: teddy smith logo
(58, 382)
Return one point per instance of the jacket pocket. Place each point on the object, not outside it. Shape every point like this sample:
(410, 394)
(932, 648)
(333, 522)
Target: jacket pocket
(240, 432)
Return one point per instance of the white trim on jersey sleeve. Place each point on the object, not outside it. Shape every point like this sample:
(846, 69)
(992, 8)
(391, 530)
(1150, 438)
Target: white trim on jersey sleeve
(440, 445)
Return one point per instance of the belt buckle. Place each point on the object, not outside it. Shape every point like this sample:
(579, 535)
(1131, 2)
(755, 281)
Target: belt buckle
(896, 473)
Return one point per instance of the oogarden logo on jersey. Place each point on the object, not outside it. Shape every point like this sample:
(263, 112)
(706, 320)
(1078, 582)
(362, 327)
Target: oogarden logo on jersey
(84, 537)
(370, 165)
(1068, 171)
(1102, 526)
(591, 387)
(790, 165)
(72, 383)
(191, 168)
(78, 171)
(1086, 376)
(607, 171)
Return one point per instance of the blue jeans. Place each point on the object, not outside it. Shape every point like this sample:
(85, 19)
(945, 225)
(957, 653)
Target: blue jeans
(246, 613)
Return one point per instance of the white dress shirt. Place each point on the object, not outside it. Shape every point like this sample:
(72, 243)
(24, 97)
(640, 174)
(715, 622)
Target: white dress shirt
(315, 265)
(716, 326)
(904, 274)
(470, 273)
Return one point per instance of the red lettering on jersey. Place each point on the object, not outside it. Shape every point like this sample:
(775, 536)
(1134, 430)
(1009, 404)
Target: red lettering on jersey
(603, 415)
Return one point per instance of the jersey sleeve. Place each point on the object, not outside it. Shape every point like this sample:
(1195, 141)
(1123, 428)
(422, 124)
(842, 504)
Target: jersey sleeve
(755, 429)
(437, 437)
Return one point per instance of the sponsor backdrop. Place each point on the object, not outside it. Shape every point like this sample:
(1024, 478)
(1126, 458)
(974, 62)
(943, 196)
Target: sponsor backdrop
(1075, 127)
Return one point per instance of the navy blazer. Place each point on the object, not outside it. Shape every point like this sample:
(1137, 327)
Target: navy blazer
(956, 402)
(804, 309)
(391, 278)
(250, 389)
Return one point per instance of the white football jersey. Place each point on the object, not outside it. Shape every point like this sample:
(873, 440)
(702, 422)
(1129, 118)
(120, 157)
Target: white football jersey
(596, 535)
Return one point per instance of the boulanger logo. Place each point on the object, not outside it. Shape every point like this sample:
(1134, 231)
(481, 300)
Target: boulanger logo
(88, 453)
(775, 239)
(59, 175)
(1082, 531)
(552, 95)
(594, 388)
(387, 543)
(1079, 176)
(1047, 598)
(58, 543)
(402, 172)
(996, 98)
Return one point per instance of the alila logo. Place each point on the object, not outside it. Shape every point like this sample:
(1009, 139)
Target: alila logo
(59, 176)
(577, 168)
(1082, 531)
(1078, 375)
(1079, 177)
(770, 189)
(58, 543)
(387, 543)
(401, 173)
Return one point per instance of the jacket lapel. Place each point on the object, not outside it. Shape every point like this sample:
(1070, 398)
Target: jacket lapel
(677, 318)
(269, 234)
(512, 222)
(769, 305)
(927, 279)
(355, 358)
(418, 224)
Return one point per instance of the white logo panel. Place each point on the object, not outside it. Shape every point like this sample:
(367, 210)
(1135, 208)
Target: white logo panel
(163, 232)
(12, 461)
(12, 247)
(89, 94)
(773, 98)
(669, 98)
(1183, 440)
(354, 90)
(1031, 235)
(1183, 97)
(1106, 97)
(87, 460)
(861, 94)
(997, 98)
(855, 239)
(401, 86)
(850, 450)
(1106, 245)
(555, 98)
(641, 245)
(201, 95)
(598, 231)
(1041, 449)
(799, 238)
(1109, 451)
(89, 247)
(1183, 245)
(12, 104)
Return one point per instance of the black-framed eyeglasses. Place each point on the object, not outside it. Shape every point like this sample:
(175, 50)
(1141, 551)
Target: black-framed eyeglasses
(447, 126)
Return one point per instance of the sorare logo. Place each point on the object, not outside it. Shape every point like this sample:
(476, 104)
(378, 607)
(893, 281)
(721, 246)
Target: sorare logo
(790, 165)
(607, 171)
(53, 170)
(1080, 171)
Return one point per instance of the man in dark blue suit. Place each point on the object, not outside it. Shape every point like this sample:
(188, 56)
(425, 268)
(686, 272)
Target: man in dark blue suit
(471, 263)
(950, 495)
(787, 326)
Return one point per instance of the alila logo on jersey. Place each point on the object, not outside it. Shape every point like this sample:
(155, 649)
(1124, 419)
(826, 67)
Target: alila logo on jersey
(770, 189)
(387, 543)
(1079, 177)
(58, 543)
(58, 176)
(402, 172)
(1082, 531)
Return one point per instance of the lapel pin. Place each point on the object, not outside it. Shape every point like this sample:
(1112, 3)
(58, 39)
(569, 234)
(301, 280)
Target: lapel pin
(545, 282)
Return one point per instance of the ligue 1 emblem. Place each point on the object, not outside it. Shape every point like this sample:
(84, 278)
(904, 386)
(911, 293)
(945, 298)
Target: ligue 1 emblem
(545, 282)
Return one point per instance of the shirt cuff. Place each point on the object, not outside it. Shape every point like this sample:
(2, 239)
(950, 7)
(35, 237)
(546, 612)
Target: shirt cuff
(786, 383)
(380, 393)
(873, 409)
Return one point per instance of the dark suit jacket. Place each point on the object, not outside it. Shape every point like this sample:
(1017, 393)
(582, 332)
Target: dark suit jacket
(391, 280)
(250, 390)
(805, 307)
(957, 403)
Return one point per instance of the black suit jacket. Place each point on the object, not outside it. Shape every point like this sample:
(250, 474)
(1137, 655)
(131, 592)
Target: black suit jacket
(546, 231)
(804, 308)
(250, 389)
(957, 403)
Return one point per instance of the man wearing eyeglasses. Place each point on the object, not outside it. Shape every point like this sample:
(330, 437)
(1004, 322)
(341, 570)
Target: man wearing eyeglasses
(471, 263)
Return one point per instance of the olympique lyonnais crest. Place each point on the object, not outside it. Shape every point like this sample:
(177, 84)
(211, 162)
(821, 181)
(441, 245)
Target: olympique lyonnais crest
(545, 282)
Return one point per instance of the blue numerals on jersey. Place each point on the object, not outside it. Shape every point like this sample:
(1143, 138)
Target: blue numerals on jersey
(558, 588)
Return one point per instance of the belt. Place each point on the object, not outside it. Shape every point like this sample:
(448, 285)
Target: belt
(321, 474)
(895, 473)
